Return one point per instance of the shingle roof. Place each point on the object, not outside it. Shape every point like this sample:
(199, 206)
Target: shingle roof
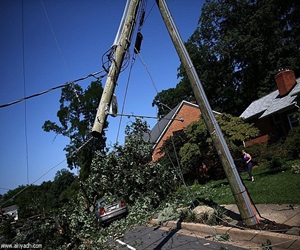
(9, 209)
(271, 103)
(160, 127)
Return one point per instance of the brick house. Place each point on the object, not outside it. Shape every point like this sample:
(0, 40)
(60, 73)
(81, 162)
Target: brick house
(276, 113)
(176, 120)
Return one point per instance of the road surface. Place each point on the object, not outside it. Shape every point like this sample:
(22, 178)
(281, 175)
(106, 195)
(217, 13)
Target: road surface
(154, 238)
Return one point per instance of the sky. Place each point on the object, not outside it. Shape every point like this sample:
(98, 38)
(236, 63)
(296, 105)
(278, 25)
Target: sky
(47, 43)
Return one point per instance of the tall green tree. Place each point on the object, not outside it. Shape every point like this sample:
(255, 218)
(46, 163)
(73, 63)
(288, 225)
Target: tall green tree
(76, 116)
(194, 149)
(237, 49)
(62, 181)
(127, 171)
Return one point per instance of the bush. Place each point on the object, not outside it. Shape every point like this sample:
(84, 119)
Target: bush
(296, 168)
(275, 156)
(168, 213)
(257, 151)
(275, 164)
(187, 215)
(292, 144)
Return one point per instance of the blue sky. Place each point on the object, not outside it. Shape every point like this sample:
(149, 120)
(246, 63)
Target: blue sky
(34, 60)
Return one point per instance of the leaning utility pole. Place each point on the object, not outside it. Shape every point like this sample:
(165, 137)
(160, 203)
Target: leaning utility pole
(122, 43)
(239, 192)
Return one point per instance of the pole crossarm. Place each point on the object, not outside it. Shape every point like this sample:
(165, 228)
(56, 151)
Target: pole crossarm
(150, 117)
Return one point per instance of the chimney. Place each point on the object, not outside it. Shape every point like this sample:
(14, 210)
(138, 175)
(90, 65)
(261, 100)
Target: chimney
(285, 80)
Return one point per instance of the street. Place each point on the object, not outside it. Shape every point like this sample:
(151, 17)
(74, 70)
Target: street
(148, 238)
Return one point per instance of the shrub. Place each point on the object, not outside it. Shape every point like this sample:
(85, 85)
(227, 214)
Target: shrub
(187, 215)
(275, 164)
(276, 156)
(257, 151)
(296, 168)
(168, 213)
(292, 144)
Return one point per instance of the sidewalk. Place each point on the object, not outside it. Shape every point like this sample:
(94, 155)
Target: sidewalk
(248, 238)
(283, 214)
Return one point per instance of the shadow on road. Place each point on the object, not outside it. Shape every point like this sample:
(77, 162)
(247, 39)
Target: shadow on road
(169, 236)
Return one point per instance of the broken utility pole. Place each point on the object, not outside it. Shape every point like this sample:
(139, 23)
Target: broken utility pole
(239, 192)
(121, 48)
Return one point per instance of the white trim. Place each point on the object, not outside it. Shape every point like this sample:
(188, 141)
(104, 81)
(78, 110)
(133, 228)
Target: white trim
(289, 116)
(276, 121)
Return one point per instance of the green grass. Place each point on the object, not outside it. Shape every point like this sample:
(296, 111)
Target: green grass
(270, 187)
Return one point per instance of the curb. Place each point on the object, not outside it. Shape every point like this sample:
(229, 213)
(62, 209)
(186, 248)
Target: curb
(278, 240)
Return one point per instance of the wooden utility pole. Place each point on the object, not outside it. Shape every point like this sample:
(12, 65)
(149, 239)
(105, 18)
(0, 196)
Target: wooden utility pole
(239, 192)
(114, 71)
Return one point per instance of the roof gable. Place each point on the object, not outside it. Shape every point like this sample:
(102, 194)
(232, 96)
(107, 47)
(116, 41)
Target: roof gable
(158, 130)
(271, 103)
(9, 209)
(163, 125)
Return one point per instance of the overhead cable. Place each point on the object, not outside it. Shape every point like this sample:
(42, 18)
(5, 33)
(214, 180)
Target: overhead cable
(24, 87)
(125, 95)
(150, 117)
(71, 155)
(55, 39)
(54, 88)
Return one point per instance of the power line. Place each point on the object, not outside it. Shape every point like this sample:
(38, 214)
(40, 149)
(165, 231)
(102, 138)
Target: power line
(178, 168)
(150, 117)
(28, 185)
(179, 172)
(24, 87)
(71, 155)
(54, 36)
(142, 15)
(54, 88)
(125, 95)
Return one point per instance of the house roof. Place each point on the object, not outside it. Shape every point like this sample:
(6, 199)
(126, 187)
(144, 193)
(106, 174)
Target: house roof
(159, 129)
(161, 126)
(272, 103)
(9, 209)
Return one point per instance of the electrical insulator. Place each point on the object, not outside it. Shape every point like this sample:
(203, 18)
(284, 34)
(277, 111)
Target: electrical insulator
(113, 109)
(138, 42)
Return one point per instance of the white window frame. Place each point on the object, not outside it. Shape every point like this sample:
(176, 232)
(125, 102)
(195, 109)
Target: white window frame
(292, 120)
(276, 118)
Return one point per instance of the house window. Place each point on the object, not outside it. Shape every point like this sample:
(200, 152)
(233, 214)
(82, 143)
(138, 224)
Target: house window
(293, 119)
(276, 118)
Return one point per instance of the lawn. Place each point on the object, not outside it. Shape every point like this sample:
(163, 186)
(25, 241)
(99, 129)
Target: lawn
(270, 187)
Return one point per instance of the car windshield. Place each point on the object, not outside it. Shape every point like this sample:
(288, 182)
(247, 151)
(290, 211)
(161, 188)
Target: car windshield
(101, 203)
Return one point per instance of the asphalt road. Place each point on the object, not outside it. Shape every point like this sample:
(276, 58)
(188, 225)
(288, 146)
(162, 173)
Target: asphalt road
(151, 238)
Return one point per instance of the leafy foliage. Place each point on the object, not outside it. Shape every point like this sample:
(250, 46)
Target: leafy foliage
(275, 156)
(292, 143)
(60, 218)
(197, 155)
(295, 168)
(168, 213)
(36, 200)
(127, 171)
(236, 50)
(76, 116)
